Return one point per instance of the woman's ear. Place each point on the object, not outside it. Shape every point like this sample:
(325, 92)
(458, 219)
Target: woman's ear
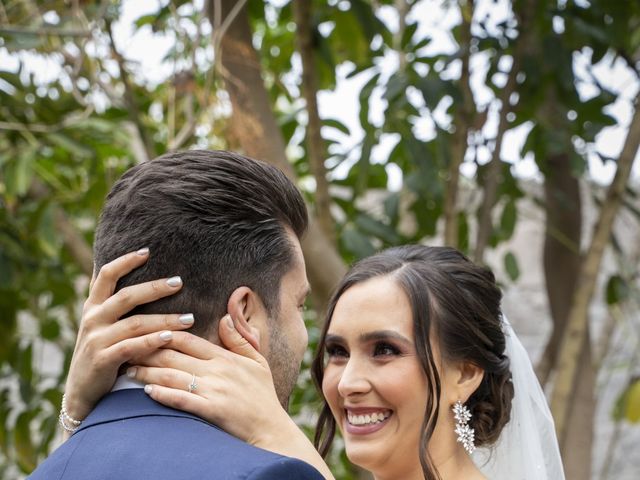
(247, 313)
(468, 377)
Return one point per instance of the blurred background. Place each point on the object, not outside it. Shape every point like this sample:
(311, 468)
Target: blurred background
(507, 129)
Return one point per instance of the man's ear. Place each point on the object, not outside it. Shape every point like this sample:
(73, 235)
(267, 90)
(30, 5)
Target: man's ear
(248, 314)
(467, 378)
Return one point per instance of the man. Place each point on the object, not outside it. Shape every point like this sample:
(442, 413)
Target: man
(228, 228)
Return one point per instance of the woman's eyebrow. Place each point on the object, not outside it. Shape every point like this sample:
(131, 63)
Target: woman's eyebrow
(379, 335)
(376, 335)
(332, 338)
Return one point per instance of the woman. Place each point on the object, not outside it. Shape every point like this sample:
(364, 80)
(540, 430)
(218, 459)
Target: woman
(412, 364)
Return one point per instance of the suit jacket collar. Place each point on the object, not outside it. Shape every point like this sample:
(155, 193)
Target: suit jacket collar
(131, 403)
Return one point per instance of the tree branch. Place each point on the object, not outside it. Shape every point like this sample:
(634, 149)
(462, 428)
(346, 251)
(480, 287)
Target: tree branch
(492, 176)
(302, 13)
(129, 96)
(43, 31)
(462, 121)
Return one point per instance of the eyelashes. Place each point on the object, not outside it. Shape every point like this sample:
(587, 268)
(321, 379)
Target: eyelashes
(378, 349)
(334, 350)
(385, 349)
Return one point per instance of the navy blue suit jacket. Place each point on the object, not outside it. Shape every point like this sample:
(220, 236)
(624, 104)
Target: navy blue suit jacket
(130, 436)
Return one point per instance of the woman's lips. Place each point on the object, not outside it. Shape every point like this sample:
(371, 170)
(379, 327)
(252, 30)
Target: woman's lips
(364, 421)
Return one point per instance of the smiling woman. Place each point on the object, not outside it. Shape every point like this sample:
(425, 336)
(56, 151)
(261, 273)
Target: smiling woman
(412, 332)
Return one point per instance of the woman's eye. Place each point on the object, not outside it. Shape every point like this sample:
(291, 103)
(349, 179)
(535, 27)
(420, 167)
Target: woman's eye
(385, 349)
(336, 351)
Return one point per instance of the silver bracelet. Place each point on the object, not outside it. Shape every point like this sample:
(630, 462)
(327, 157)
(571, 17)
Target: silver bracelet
(67, 422)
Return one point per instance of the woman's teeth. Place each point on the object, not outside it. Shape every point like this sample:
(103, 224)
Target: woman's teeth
(368, 419)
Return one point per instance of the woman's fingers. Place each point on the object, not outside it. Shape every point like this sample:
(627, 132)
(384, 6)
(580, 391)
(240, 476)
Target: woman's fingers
(130, 297)
(103, 285)
(235, 342)
(131, 348)
(194, 346)
(139, 325)
(166, 377)
(180, 399)
(170, 358)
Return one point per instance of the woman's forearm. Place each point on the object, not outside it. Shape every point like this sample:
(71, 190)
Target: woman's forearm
(286, 438)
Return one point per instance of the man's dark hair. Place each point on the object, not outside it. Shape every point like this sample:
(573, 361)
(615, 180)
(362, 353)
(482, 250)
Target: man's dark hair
(215, 218)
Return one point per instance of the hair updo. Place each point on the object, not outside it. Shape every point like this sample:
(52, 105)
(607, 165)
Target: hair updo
(457, 301)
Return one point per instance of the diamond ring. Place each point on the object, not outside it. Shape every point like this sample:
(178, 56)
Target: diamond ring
(193, 385)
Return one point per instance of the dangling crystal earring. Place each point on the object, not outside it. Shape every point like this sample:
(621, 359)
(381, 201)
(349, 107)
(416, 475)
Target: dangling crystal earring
(466, 434)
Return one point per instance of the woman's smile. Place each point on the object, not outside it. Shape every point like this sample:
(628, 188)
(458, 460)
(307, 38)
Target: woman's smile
(364, 421)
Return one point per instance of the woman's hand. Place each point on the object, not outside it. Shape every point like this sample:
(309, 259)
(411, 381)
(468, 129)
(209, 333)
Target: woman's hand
(104, 343)
(223, 378)
(233, 389)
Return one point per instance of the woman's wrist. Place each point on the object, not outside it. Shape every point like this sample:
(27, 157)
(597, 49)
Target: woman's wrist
(73, 408)
(281, 435)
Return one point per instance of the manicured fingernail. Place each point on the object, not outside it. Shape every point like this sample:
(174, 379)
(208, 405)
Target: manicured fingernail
(147, 389)
(186, 319)
(174, 282)
(228, 322)
(166, 336)
(143, 251)
(131, 372)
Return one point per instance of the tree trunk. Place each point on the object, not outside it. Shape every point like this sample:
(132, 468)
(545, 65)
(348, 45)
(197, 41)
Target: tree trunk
(563, 230)
(576, 335)
(254, 125)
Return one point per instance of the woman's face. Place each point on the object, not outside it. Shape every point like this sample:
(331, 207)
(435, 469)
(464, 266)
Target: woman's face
(373, 381)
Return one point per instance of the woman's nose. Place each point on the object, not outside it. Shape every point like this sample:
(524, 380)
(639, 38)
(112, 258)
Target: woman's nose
(354, 379)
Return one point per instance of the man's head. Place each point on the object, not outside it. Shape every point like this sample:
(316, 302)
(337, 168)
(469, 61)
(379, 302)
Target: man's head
(230, 227)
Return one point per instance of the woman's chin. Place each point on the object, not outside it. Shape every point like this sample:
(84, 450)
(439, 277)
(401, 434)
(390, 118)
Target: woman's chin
(362, 457)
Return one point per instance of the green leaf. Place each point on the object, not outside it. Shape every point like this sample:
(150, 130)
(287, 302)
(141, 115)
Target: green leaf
(376, 228)
(47, 234)
(627, 406)
(20, 173)
(617, 290)
(433, 90)
(338, 125)
(463, 232)
(75, 149)
(357, 243)
(26, 454)
(633, 403)
(50, 329)
(392, 207)
(511, 266)
(508, 220)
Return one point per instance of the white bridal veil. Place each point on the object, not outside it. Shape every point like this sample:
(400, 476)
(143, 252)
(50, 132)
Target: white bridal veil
(527, 448)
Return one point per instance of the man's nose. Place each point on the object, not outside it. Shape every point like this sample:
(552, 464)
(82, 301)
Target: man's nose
(354, 379)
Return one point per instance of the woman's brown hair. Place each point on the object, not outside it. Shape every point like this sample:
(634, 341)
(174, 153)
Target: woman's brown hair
(458, 303)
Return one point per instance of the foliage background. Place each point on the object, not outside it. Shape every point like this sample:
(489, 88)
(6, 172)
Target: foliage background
(443, 87)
